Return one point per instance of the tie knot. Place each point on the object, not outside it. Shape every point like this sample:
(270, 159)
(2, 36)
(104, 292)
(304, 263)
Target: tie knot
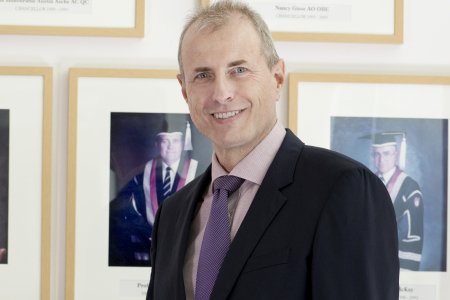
(228, 182)
(168, 169)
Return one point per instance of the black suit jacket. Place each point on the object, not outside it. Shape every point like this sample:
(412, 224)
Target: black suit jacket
(321, 226)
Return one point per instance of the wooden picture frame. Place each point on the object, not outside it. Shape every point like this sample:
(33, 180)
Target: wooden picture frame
(137, 31)
(43, 166)
(110, 91)
(295, 78)
(396, 38)
(341, 111)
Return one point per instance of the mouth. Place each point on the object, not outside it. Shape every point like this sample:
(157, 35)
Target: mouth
(227, 114)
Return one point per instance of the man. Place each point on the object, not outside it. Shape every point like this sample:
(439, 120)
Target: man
(299, 222)
(405, 195)
(133, 211)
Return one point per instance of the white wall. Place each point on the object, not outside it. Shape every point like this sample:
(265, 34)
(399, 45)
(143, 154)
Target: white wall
(425, 51)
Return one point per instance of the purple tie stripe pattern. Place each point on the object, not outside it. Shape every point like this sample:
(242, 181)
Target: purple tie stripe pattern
(216, 240)
(166, 184)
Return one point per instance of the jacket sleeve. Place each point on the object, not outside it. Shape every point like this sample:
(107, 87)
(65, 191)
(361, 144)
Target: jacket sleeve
(355, 250)
(151, 286)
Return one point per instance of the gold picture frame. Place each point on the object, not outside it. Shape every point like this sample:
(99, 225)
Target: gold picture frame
(340, 111)
(295, 78)
(137, 31)
(47, 74)
(396, 38)
(73, 155)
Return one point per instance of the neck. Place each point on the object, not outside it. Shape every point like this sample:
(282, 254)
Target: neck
(170, 163)
(382, 174)
(230, 157)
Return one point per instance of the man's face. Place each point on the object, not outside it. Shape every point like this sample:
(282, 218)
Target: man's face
(384, 158)
(228, 86)
(170, 147)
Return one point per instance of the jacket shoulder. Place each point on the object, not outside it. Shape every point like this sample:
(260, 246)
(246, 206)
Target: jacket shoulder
(322, 167)
(410, 182)
(327, 159)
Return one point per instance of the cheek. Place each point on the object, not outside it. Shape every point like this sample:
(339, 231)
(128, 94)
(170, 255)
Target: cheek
(196, 108)
(195, 115)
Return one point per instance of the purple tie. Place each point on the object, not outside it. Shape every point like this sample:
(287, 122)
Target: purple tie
(216, 239)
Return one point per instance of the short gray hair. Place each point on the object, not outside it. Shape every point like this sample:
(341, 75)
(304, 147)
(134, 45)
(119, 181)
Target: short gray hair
(219, 14)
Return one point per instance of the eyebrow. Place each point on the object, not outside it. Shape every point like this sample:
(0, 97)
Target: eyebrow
(202, 69)
(231, 64)
(236, 63)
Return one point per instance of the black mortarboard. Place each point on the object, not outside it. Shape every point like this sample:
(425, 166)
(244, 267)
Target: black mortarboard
(387, 138)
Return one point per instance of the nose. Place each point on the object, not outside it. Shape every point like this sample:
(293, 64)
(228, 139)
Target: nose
(223, 89)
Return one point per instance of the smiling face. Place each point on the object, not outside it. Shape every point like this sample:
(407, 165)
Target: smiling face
(228, 86)
(385, 158)
(170, 147)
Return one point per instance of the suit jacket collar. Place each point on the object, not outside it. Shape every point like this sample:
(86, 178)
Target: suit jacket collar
(266, 204)
(284, 164)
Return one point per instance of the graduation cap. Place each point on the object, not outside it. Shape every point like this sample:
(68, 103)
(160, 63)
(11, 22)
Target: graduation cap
(387, 138)
(188, 137)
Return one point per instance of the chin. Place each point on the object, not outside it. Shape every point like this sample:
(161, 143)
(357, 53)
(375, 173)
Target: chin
(230, 143)
(383, 171)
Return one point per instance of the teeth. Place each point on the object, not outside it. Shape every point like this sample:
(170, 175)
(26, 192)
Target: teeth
(226, 115)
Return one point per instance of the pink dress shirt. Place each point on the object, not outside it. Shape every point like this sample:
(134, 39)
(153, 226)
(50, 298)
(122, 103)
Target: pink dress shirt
(252, 168)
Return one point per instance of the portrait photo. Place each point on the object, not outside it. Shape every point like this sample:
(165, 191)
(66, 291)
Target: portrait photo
(152, 156)
(410, 156)
(4, 178)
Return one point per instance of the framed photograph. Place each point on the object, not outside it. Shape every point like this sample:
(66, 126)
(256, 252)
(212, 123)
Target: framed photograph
(344, 21)
(132, 144)
(25, 181)
(73, 17)
(398, 127)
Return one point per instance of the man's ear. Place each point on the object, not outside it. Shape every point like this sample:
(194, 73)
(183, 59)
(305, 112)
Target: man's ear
(279, 76)
(183, 87)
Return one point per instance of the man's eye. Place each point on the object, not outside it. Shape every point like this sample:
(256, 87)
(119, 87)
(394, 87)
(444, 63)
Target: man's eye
(202, 75)
(240, 70)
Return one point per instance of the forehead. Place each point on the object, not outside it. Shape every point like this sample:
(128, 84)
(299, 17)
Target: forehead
(383, 149)
(237, 38)
(171, 137)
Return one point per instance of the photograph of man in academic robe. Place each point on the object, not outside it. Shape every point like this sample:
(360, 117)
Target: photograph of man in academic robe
(4, 169)
(410, 157)
(405, 194)
(168, 152)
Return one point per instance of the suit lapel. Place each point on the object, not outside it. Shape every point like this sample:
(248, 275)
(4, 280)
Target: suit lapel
(265, 206)
(183, 225)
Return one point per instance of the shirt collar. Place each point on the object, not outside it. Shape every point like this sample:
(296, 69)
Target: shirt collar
(388, 175)
(174, 166)
(254, 166)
